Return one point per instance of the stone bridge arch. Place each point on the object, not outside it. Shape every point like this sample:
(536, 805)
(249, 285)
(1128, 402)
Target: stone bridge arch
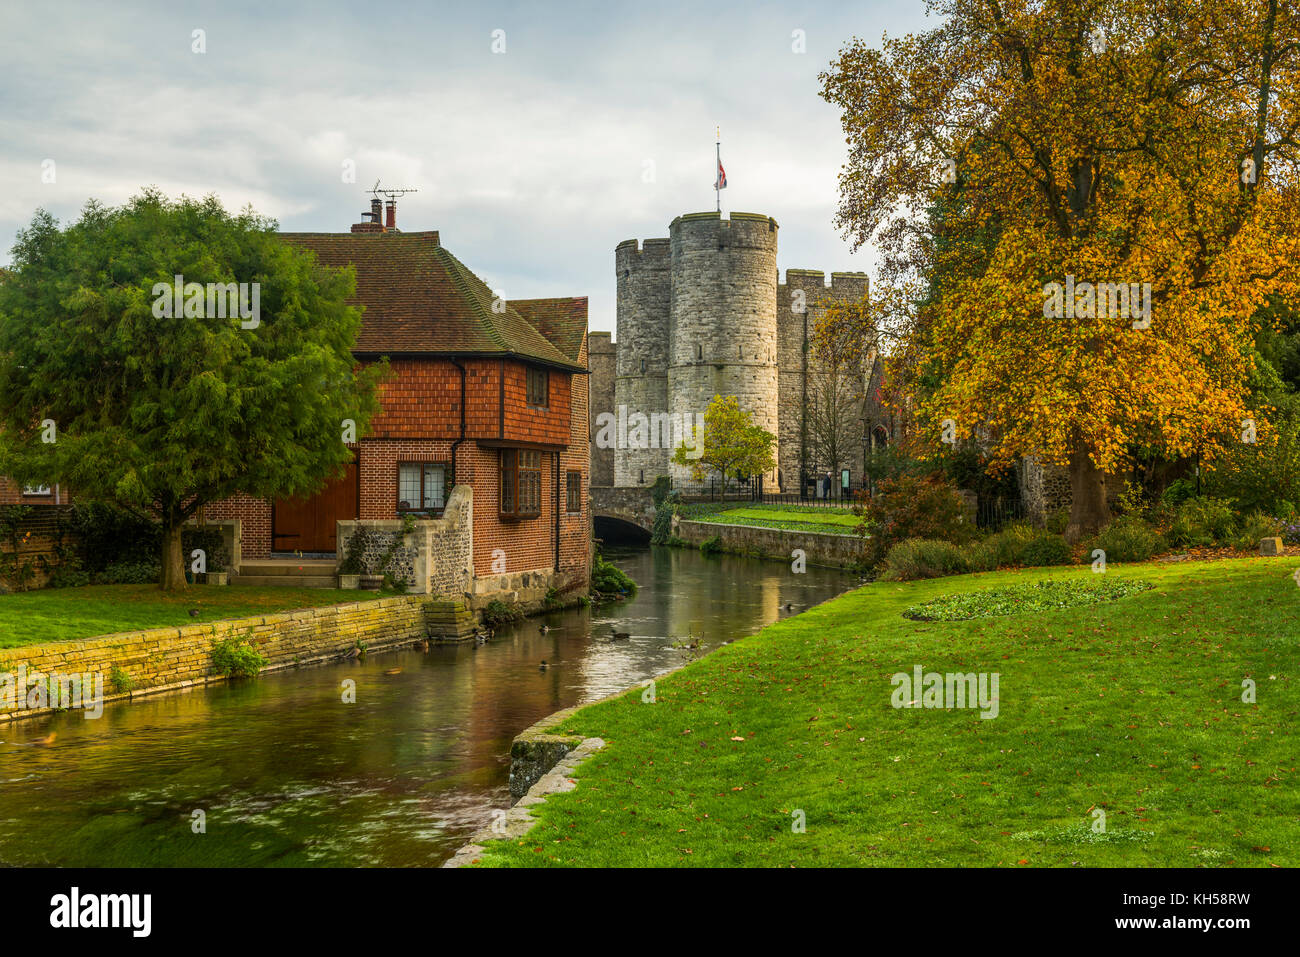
(629, 512)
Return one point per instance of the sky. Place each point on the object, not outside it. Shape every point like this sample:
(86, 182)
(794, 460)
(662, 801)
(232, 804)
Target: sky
(538, 135)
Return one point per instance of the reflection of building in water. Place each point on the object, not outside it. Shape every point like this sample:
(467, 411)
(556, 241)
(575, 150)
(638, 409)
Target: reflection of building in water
(743, 595)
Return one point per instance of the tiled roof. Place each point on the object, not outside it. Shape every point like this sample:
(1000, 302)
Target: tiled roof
(420, 299)
(562, 321)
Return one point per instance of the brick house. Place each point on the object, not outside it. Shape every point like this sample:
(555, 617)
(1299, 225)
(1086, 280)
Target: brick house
(11, 494)
(487, 394)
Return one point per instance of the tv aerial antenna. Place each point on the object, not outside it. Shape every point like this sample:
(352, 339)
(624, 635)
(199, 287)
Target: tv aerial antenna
(392, 193)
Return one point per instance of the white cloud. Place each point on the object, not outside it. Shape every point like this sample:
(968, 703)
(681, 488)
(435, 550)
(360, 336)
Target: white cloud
(530, 164)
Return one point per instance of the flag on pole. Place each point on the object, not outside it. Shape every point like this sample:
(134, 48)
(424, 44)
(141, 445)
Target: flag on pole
(720, 183)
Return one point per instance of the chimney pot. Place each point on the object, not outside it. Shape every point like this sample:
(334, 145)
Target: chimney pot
(391, 221)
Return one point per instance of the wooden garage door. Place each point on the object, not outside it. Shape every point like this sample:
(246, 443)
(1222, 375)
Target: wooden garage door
(307, 525)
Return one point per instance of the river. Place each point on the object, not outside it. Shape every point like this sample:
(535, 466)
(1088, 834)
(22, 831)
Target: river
(285, 773)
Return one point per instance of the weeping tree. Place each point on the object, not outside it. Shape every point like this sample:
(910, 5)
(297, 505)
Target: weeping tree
(1116, 182)
(166, 354)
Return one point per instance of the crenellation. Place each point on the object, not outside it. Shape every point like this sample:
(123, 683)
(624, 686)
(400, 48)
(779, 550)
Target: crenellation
(705, 313)
(644, 290)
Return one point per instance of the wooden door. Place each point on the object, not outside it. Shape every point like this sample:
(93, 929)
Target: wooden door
(308, 525)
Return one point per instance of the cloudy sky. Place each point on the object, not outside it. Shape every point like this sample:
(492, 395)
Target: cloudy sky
(595, 125)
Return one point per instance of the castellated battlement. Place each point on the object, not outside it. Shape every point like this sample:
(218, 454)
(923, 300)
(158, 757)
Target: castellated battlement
(752, 230)
(702, 314)
(843, 285)
(635, 254)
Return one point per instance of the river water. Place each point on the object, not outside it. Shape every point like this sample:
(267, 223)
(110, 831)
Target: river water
(286, 774)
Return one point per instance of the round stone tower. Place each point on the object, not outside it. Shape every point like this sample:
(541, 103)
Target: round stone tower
(723, 337)
(644, 287)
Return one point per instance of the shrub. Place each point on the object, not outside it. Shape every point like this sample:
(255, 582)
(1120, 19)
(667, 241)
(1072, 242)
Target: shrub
(129, 573)
(982, 556)
(213, 544)
(609, 579)
(917, 558)
(120, 681)
(395, 585)
(1126, 539)
(1021, 545)
(106, 535)
(355, 551)
(498, 612)
(660, 490)
(1057, 521)
(17, 571)
(661, 532)
(711, 546)
(1006, 546)
(1256, 526)
(913, 507)
(235, 657)
(1202, 521)
(1046, 549)
(68, 575)
(1178, 492)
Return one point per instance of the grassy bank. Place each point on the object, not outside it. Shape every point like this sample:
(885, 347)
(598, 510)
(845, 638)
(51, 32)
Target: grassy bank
(1133, 707)
(60, 614)
(833, 521)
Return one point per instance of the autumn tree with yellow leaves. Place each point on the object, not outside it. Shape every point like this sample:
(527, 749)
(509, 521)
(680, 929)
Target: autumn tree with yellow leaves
(1048, 169)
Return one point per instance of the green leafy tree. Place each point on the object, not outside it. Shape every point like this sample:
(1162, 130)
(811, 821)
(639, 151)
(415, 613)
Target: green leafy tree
(733, 444)
(1261, 472)
(105, 388)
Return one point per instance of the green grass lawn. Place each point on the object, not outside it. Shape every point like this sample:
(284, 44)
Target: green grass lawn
(1133, 707)
(835, 521)
(59, 614)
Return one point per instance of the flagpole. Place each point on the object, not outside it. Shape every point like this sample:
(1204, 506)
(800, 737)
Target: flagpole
(717, 177)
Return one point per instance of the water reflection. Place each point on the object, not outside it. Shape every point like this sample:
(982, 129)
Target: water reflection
(289, 775)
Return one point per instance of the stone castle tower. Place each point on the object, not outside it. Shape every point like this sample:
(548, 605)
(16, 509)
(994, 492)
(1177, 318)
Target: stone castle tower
(700, 314)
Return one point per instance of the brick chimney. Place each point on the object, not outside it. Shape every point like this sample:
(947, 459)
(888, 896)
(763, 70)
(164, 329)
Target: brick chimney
(391, 221)
(373, 219)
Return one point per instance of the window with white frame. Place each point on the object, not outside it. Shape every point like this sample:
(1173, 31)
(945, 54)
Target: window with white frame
(421, 486)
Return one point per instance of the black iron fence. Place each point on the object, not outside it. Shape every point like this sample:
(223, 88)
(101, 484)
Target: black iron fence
(813, 493)
(992, 514)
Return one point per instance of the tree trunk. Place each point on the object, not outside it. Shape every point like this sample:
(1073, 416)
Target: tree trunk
(173, 555)
(1089, 511)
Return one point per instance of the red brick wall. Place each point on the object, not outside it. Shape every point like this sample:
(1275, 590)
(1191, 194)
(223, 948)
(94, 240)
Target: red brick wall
(254, 516)
(37, 540)
(420, 421)
(529, 544)
(422, 401)
(12, 494)
(575, 529)
(524, 424)
(379, 458)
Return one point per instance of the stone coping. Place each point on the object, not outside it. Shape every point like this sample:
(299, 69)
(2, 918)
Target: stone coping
(177, 658)
(518, 819)
(830, 536)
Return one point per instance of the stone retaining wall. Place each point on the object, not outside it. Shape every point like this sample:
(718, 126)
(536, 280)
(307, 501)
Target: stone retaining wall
(435, 557)
(165, 659)
(820, 548)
